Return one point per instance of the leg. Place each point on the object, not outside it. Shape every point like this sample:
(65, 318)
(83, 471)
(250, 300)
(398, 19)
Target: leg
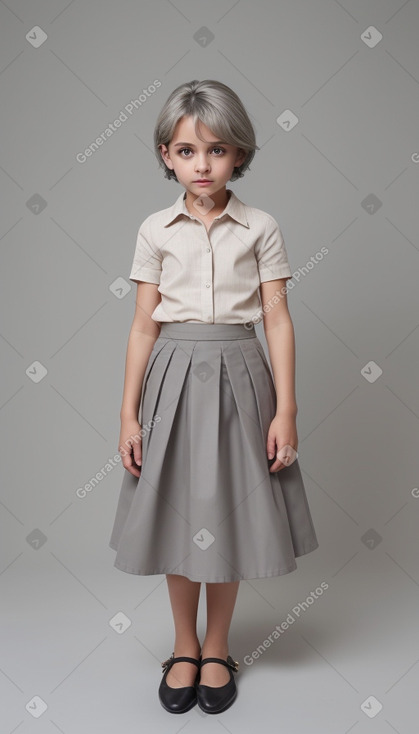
(184, 599)
(221, 599)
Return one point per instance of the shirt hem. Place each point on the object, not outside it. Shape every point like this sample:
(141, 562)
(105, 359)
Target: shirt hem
(265, 277)
(145, 277)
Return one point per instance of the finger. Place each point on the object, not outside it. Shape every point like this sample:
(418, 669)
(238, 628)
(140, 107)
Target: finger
(130, 465)
(134, 471)
(124, 451)
(276, 466)
(125, 456)
(127, 462)
(271, 446)
(128, 459)
(138, 456)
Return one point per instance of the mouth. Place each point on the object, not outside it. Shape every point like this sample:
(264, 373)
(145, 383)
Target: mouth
(203, 180)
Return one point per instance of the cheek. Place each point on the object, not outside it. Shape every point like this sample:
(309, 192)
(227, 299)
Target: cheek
(221, 162)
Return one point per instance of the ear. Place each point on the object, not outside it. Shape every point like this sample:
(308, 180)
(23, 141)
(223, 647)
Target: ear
(241, 157)
(165, 155)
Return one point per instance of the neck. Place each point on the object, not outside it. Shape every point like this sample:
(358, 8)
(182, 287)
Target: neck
(220, 199)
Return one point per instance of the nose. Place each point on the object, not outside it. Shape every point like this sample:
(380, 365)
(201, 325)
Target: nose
(202, 162)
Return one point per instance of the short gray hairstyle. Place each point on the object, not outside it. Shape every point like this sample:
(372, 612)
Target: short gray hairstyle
(218, 107)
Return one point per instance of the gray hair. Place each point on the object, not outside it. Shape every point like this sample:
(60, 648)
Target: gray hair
(218, 107)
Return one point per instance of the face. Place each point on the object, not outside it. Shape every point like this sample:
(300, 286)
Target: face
(192, 159)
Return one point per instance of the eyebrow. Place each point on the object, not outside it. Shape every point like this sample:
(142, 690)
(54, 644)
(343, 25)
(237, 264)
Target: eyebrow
(212, 142)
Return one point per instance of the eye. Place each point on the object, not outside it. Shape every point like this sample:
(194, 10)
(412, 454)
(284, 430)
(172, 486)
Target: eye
(222, 150)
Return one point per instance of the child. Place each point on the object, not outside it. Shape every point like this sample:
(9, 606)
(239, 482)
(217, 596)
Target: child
(212, 490)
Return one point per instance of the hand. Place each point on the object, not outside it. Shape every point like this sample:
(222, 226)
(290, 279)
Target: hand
(282, 441)
(130, 445)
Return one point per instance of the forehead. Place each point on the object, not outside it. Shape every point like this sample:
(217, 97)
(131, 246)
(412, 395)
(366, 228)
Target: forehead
(185, 132)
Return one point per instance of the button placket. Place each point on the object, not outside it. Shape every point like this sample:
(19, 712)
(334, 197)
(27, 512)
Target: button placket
(207, 279)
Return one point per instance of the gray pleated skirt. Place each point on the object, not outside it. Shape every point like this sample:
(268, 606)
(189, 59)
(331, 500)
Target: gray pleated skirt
(206, 506)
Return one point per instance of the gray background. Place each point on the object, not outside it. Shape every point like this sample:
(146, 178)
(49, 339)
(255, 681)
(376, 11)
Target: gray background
(355, 143)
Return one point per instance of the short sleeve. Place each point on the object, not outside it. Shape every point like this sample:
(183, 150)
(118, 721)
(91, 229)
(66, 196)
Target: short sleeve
(147, 262)
(271, 253)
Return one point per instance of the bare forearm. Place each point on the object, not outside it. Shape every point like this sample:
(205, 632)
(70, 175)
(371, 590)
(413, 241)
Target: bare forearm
(281, 346)
(140, 345)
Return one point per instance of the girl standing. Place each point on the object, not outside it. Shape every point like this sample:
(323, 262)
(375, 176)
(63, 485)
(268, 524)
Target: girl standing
(212, 490)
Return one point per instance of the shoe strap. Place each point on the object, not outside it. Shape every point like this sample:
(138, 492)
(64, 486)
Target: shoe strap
(229, 663)
(167, 664)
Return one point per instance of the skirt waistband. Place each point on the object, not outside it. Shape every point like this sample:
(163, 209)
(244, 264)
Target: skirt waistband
(214, 332)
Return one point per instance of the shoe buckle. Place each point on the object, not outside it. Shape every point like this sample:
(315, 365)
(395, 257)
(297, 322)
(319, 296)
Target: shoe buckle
(166, 663)
(234, 665)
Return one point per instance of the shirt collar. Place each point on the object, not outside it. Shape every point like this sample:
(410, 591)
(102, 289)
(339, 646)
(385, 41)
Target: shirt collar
(234, 208)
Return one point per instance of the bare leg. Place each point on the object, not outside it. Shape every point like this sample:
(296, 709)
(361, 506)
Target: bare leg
(184, 599)
(221, 599)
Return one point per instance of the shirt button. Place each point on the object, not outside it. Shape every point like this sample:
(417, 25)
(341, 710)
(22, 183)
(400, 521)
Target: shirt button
(207, 285)
(208, 249)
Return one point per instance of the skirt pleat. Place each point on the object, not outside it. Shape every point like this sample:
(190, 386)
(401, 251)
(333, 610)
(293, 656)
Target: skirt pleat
(206, 506)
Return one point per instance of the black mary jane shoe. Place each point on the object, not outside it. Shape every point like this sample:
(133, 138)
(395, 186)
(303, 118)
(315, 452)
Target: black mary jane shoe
(177, 700)
(215, 699)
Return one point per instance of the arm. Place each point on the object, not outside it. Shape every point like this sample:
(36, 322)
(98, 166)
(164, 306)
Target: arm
(143, 334)
(279, 333)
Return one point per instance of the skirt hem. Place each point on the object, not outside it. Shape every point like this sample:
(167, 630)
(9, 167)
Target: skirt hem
(121, 566)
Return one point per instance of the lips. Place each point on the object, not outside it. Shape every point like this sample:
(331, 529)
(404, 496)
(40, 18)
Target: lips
(203, 180)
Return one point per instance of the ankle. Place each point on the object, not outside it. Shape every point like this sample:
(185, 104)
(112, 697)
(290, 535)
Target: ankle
(216, 649)
(187, 646)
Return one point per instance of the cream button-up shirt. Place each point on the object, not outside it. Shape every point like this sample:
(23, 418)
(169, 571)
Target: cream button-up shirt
(209, 277)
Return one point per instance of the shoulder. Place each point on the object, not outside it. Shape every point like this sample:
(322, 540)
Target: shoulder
(155, 226)
(150, 229)
(261, 220)
(154, 220)
(265, 228)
